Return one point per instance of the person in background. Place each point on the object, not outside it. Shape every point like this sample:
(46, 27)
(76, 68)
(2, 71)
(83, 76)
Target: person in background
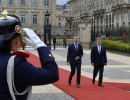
(98, 60)
(74, 60)
(48, 43)
(110, 37)
(64, 42)
(54, 42)
(17, 75)
(124, 38)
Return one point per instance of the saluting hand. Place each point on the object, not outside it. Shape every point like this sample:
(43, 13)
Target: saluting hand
(32, 38)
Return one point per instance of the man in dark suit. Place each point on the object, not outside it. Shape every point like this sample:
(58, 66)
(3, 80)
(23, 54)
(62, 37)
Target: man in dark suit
(75, 53)
(98, 60)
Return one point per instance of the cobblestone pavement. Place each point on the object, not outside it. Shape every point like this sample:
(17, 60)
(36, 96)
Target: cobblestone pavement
(50, 96)
(49, 92)
(117, 70)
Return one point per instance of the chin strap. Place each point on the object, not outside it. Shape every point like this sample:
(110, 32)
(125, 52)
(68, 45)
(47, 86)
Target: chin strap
(10, 81)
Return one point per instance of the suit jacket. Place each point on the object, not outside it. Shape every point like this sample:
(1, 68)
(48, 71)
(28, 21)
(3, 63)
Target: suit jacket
(54, 40)
(98, 58)
(25, 74)
(72, 53)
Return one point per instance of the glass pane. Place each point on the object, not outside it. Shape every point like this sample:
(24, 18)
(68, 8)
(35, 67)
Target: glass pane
(10, 2)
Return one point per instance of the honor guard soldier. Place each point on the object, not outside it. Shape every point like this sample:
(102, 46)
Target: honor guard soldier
(17, 75)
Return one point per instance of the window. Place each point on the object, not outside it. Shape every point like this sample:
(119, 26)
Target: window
(110, 5)
(112, 26)
(129, 24)
(34, 19)
(46, 2)
(23, 2)
(101, 6)
(118, 2)
(59, 24)
(34, 2)
(0, 14)
(117, 25)
(0, 1)
(113, 3)
(106, 19)
(128, 1)
(106, 26)
(101, 20)
(107, 5)
(112, 18)
(117, 18)
(128, 16)
(10, 2)
(109, 18)
(23, 19)
(97, 7)
(66, 24)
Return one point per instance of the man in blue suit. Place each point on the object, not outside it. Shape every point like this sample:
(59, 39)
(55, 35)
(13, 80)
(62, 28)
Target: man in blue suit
(98, 60)
(74, 56)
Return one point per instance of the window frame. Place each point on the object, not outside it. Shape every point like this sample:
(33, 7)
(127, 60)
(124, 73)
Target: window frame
(34, 19)
(23, 19)
(10, 2)
(21, 3)
(46, 2)
(34, 2)
(0, 2)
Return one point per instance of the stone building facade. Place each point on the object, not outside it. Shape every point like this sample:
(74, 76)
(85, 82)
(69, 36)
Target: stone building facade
(61, 16)
(32, 12)
(99, 15)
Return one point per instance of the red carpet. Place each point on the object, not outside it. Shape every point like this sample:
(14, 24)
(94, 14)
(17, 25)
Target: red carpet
(87, 91)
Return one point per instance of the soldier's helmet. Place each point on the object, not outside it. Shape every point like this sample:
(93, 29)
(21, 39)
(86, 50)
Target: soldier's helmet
(9, 26)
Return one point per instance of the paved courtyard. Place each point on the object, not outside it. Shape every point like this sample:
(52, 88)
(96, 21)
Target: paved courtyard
(117, 70)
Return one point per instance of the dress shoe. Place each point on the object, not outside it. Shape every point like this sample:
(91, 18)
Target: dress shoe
(93, 81)
(78, 86)
(69, 82)
(101, 85)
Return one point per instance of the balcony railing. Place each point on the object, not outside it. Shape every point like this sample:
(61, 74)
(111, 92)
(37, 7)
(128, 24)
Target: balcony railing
(84, 16)
(97, 12)
(121, 7)
(69, 19)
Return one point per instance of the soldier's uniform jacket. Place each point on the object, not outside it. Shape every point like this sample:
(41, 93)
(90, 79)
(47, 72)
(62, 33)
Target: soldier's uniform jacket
(25, 74)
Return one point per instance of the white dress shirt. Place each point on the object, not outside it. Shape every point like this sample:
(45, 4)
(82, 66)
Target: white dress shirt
(76, 46)
(99, 48)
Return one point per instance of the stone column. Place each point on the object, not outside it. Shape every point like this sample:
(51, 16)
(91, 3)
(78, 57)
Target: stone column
(85, 32)
(120, 19)
(115, 20)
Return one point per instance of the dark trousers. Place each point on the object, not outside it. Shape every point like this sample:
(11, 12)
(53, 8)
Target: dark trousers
(54, 46)
(64, 45)
(73, 69)
(98, 68)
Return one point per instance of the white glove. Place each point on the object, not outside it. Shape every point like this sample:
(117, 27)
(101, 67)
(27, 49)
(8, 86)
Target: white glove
(32, 39)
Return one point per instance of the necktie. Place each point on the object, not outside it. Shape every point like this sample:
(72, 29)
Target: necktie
(76, 47)
(99, 48)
